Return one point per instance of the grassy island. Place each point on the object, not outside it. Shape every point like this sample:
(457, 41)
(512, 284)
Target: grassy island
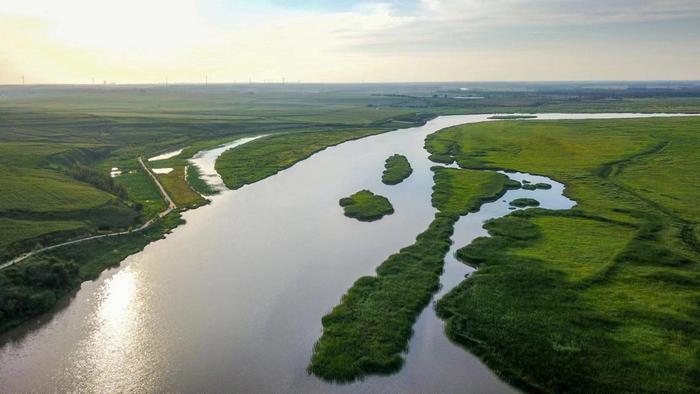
(370, 328)
(512, 184)
(396, 169)
(599, 298)
(525, 202)
(366, 206)
(535, 186)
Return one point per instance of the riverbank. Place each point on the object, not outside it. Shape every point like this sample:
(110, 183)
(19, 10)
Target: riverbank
(570, 301)
(46, 275)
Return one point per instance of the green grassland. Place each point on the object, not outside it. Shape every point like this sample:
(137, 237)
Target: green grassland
(179, 190)
(370, 328)
(366, 206)
(142, 190)
(396, 169)
(599, 298)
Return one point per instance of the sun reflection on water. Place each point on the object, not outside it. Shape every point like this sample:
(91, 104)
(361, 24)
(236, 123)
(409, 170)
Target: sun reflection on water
(117, 354)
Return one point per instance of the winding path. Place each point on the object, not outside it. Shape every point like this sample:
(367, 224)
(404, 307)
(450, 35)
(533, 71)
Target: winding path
(166, 196)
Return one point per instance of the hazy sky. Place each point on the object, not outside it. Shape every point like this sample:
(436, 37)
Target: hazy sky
(129, 41)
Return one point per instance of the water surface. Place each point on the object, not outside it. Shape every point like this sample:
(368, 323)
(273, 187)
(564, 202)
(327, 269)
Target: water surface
(205, 160)
(233, 300)
(166, 155)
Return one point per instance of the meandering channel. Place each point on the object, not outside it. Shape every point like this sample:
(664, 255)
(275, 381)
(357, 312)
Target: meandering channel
(232, 300)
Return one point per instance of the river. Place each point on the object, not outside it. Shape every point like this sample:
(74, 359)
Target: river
(233, 300)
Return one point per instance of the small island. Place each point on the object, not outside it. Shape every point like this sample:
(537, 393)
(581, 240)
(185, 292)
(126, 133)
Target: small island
(512, 184)
(366, 206)
(534, 186)
(396, 169)
(524, 202)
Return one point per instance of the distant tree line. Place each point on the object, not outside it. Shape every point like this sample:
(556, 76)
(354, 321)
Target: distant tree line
(30, 289)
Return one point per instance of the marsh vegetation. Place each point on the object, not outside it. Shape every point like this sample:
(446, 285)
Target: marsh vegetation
(366, 206)
(370, 328)
(562, 301)
(524, 202)
(396, 169)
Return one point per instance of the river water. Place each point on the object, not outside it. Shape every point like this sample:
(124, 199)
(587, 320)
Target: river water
(233, 300)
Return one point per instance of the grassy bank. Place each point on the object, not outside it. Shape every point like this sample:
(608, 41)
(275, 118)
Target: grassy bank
(33, 286)
(396, 169)
(370, 328)
(195, 180)
(600, 298)
(366, 206)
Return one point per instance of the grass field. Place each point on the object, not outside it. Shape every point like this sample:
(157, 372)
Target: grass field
(600, 298)
(366, 206)
(179, 190)
(396, 169)
(370, 328)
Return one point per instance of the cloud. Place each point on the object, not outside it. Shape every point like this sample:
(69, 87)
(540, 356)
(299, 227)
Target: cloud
(450, 23)
(323, 40)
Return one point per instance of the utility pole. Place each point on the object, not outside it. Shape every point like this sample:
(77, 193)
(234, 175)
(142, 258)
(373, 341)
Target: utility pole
(22, 80)
(206, 80)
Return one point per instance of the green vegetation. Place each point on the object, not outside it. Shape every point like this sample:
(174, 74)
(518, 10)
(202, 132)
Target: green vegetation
(512, 184)
(599, 298)
(366, 206)
(33, 286)
(47, 132)
(534, 186)
(525, 202)
(143, 191)
(179, 190)
(266, 156)
(194, 179)
(370, 328)
(396, 169)
(57, 144)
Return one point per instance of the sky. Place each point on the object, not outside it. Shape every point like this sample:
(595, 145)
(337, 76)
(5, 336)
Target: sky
(147, 41)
